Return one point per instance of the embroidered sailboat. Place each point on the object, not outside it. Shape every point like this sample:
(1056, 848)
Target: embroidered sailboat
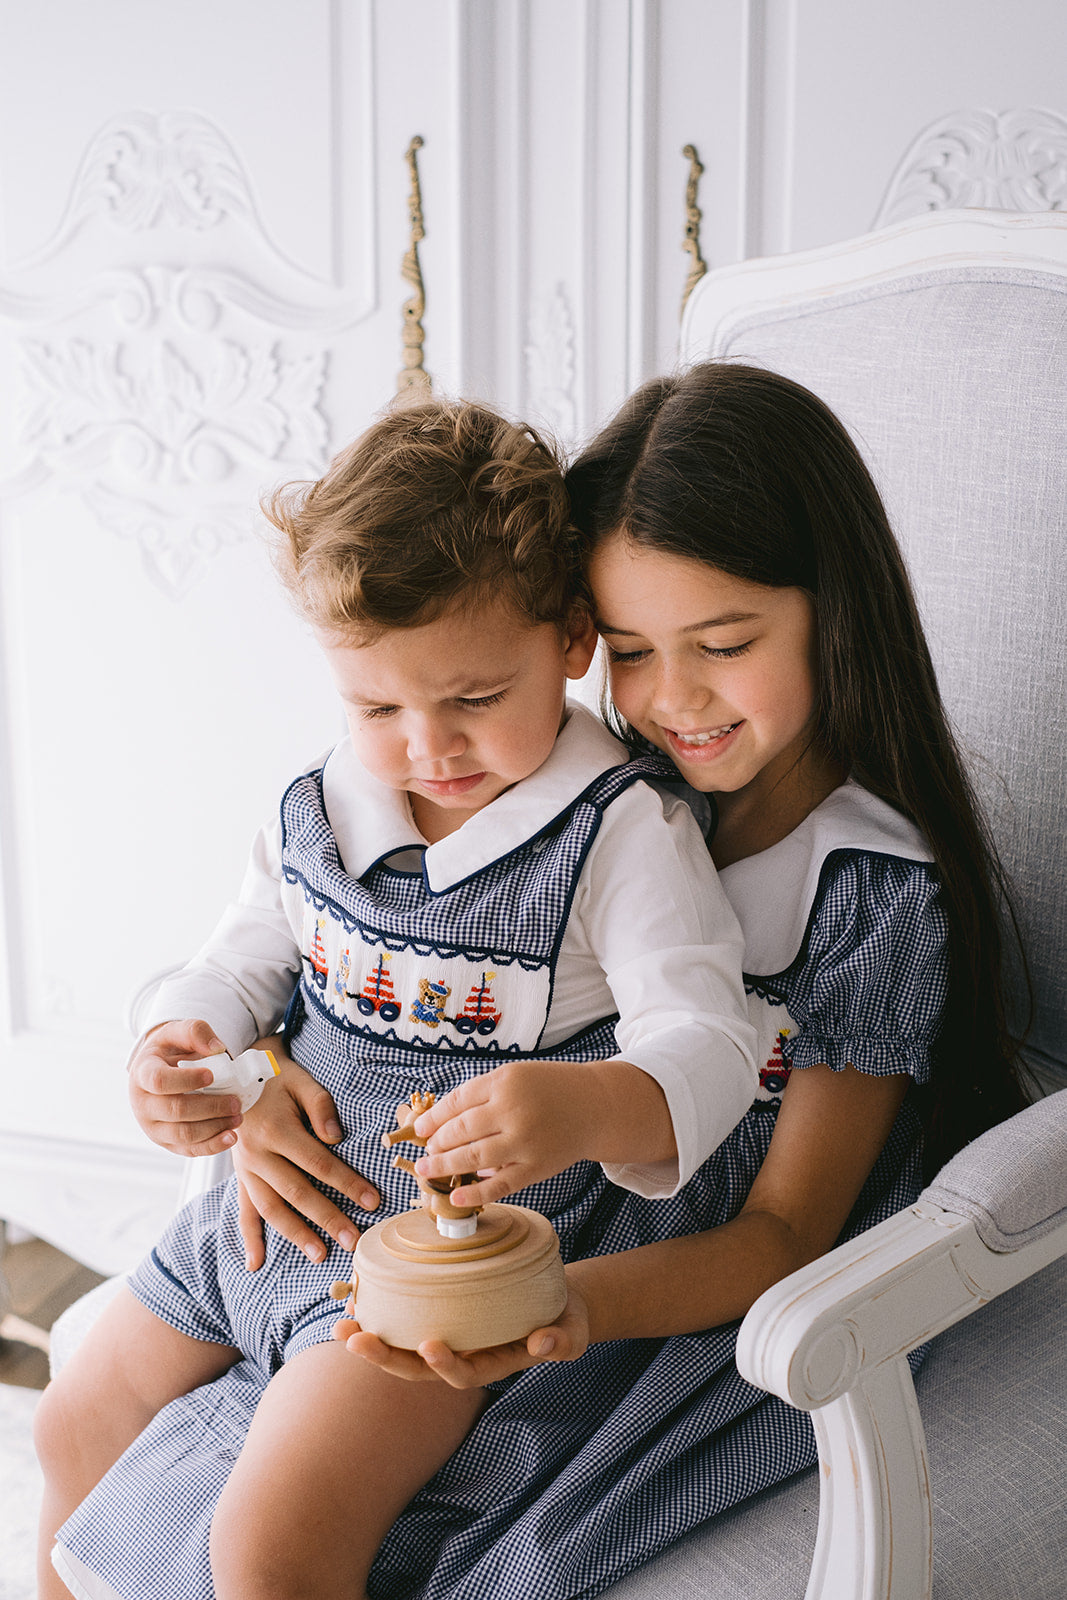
(479, 1013)
(317, 959)
(378, 993)
(775, 1075)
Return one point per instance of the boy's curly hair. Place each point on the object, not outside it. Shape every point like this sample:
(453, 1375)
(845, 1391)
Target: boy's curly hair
(438, 503)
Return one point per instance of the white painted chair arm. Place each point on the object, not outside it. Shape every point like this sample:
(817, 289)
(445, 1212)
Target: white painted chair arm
(833, 1339)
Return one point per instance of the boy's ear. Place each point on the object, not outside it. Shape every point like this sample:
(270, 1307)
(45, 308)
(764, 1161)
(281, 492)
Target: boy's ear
(579, 644)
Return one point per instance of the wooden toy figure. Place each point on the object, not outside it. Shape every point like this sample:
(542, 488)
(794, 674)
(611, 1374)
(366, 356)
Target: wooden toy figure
(471, 1277)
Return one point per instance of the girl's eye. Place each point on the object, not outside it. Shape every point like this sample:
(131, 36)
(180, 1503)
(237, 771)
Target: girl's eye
(371, 713)
(724, 652)
(625, 658)
(485, 700)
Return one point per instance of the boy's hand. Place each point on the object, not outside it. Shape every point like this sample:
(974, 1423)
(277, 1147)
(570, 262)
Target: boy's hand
(520, 1123)
(184, 1123)
(565, 1340)
(283, 1144)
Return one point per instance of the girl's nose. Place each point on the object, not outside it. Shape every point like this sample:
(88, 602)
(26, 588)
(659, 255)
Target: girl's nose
(677, 692)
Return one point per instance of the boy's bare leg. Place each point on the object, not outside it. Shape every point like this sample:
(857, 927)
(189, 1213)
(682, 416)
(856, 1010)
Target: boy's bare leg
(128, 1367)
(336, 1450)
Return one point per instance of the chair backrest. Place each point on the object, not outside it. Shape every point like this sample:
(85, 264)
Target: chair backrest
(942, 345)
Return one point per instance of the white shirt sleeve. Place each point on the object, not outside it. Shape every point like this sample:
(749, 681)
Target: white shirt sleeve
(654, 915)
(241, 980)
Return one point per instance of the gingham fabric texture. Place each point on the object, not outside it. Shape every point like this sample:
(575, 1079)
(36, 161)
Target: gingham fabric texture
(577, 1473)
(951, 382)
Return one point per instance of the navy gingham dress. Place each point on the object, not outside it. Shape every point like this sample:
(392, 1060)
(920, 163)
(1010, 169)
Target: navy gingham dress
(576, 1473)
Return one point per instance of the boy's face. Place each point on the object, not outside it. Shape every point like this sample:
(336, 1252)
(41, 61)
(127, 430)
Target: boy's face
(456, 711)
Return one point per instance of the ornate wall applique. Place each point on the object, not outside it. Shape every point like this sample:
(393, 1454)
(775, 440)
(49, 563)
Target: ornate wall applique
(1004, 161)
(168, 396)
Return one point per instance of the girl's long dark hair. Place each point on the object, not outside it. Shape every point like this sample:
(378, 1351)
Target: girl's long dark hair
(750, 473)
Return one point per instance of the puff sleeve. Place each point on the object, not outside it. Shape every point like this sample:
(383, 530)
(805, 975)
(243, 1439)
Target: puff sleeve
(871, 978)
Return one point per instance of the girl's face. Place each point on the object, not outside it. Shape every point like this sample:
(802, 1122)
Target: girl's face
(716, 672)
(456, 711)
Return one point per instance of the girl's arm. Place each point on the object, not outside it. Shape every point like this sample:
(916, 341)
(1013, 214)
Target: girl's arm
(651, 921)
(829, 1133)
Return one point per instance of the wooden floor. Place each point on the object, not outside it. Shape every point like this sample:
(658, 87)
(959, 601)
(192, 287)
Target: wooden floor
(43, 1283)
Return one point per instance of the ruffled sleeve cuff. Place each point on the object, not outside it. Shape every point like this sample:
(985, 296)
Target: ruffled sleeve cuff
(878, 1057)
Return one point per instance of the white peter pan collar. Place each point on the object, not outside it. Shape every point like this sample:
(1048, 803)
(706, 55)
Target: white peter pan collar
(773, 892)
(371, 822)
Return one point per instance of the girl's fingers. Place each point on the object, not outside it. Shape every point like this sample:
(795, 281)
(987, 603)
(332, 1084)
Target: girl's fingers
(472, 1369)
(316, 1104)
(250, 1224)
(284, 1199)
(399, 1363)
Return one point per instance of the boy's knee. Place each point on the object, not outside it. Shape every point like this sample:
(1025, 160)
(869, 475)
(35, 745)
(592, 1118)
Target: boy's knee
(258, 1551)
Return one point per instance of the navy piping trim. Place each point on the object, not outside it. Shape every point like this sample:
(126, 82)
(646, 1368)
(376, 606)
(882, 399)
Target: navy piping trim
(158, 1264)
(397, 943)
(767, 984)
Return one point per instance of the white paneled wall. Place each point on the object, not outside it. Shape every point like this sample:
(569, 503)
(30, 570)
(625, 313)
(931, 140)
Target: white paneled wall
(203, 211)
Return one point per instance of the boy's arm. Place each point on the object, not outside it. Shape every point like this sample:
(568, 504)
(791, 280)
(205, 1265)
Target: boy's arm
(527, 1120)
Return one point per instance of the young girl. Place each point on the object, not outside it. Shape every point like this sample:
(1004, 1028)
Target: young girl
(473, 834)
(761, 632)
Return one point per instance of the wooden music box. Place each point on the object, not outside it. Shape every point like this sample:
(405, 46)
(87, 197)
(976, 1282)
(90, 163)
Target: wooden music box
(470, 1277)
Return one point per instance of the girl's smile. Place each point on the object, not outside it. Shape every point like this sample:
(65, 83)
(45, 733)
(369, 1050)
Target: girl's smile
(719, 673)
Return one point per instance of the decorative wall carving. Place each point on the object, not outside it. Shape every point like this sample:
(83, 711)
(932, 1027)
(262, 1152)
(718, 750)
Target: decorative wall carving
(550, 365)
(145, 170)
(691, 243)
(166, 429)
(1006, 161)
(168, 396)
(413, 380)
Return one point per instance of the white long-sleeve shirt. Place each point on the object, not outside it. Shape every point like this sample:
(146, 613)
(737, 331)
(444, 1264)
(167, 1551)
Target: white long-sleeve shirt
(650, 933)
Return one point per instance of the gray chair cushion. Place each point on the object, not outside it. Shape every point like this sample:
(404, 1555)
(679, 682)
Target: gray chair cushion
(993, 1395)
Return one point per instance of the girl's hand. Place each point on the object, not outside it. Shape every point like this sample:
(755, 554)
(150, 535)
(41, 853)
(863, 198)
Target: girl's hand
(565, 1340)
(275, 1155)
(520, 1123)
(184, 1123)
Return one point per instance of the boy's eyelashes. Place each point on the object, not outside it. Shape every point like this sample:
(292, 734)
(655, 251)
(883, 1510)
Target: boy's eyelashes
(483, 699)
(468, 702)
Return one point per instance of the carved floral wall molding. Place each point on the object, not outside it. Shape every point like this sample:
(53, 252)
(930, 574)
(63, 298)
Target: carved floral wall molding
(146, 170)
(167, 396)
(166, 435)
(1005, 161)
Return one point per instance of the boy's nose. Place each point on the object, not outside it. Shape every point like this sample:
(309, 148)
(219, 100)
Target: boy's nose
(430, 739)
